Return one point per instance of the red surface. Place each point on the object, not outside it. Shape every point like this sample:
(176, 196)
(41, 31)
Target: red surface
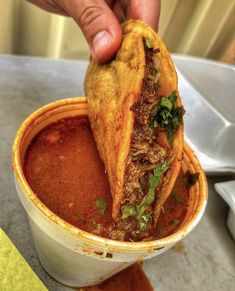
(63, 168)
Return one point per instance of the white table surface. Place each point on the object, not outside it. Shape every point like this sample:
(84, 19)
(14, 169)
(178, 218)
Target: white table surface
(205, 260)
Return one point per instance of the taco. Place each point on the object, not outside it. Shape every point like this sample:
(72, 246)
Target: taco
(136, 116)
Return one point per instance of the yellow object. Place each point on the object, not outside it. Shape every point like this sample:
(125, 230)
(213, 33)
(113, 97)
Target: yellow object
(15, 273)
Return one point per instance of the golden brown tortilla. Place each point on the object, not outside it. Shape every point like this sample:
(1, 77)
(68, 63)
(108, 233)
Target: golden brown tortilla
(112, 89)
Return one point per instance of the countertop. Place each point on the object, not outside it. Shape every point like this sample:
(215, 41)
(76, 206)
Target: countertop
(205, 260)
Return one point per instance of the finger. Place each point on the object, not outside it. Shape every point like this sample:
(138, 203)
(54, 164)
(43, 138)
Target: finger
(146, 10)
(120, 9)
(49, 5)
(99, 25)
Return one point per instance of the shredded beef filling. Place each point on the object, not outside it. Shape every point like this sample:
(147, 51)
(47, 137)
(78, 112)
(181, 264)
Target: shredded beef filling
(144, 153)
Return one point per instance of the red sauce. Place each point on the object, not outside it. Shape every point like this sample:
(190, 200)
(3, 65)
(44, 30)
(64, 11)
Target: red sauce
(130, 279)
(174, 209)
(63, 168)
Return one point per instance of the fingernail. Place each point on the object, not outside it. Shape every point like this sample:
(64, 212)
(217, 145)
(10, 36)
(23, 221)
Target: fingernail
(100, 42)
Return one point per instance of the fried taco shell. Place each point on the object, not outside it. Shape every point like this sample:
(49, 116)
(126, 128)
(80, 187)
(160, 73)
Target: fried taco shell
(135, 113)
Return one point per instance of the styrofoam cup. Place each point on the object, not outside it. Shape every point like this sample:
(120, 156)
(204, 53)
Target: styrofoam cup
(75, 257)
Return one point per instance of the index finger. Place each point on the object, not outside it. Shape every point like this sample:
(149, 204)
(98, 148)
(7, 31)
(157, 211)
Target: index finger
(146, 10)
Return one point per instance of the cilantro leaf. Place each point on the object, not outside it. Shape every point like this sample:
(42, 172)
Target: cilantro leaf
(140, 211)
(167, 116)
(154, 180)
(155, 124)
(165, 102)
(101, 205)
(128, 210)
(143, 221)
(164, 116)
(148, 43)
(172, 97)
(176, 221)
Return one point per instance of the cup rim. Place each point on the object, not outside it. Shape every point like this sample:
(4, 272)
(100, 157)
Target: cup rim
(84, 235)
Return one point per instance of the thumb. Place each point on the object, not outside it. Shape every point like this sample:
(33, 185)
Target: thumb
(99, 25)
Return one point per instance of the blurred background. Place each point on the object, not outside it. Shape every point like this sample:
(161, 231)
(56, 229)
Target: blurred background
(204, 28)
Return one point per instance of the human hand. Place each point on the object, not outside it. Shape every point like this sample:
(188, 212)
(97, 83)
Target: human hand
(100, 19)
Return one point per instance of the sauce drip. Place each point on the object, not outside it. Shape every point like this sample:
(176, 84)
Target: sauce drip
(130, 279)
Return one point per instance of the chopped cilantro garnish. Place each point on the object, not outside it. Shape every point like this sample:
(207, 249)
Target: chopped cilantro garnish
(128, 210)
(178, 113)
(155, 124)
(154, 180)
(176, 221)
(190, 179)
(148, 43)
(143, 221)
(172, 97)
(101, 205)
(164, 116)
(140, 211)
(165, 102)
(168, 116)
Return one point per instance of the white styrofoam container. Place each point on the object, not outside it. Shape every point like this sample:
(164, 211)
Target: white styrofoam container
(75, 257)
